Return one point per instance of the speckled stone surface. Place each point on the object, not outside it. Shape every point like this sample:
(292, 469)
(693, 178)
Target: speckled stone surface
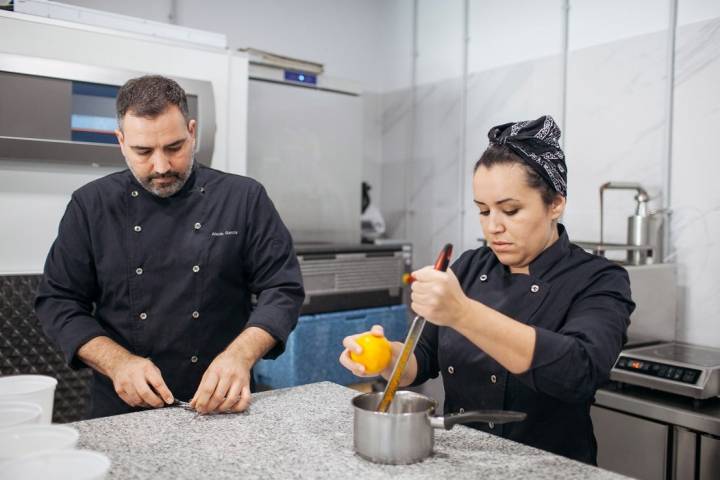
(302, 432)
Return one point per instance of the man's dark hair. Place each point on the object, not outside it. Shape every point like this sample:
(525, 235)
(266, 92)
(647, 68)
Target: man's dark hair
(149, 96)
(502, 155)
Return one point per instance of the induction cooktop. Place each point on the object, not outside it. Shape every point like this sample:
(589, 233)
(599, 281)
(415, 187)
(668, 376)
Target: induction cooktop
(674, 367)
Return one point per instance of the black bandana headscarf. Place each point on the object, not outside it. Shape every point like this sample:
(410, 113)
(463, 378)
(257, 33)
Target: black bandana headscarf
(536, 143)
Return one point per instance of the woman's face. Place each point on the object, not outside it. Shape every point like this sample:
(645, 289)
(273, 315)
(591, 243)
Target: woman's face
(516, 223)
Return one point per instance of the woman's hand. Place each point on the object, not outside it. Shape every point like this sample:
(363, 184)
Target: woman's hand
(438, 297)
(357, 369)
(352, 346)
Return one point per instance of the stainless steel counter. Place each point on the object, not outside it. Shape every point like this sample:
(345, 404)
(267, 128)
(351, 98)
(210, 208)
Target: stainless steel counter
(663, 407)
(648, 434)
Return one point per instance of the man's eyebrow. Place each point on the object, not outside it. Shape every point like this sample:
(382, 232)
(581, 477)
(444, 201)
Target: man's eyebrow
(169, 145)
(176, 143)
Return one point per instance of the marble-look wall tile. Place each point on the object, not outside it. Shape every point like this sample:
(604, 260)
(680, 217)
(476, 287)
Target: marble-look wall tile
(396, 134)
(615, 131)
(421, 131)
(522, 91)
(434, 200)
(695, 170)
(372, 145)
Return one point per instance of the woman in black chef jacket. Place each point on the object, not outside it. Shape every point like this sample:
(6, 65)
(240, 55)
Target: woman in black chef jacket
(531, 322)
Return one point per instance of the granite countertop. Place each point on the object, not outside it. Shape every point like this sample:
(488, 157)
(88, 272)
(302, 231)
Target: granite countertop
(302, 432)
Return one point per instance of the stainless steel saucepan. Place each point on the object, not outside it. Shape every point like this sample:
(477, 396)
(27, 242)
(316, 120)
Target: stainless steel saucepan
(405, 433)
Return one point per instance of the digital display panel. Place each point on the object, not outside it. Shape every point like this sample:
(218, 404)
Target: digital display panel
(300, 77)
(657, 369)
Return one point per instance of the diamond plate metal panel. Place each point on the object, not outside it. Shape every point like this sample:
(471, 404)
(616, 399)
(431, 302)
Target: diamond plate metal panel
(24, 348)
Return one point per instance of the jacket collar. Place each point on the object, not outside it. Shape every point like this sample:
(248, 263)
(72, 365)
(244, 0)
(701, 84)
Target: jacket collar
(551, 255)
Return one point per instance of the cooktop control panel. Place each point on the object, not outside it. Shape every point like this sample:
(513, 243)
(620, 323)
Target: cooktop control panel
(660, 370)
(673, 367)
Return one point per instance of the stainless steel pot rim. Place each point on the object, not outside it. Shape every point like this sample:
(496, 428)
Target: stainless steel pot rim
(403, 393)
(428, 412)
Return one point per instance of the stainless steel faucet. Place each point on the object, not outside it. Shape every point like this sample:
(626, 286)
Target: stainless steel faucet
(644, 229)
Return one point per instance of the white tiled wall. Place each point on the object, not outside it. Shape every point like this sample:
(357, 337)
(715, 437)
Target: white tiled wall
(521, 91)
(433, 196)
(615, 129)
(616, 120)
(695, 174)
(396, 131)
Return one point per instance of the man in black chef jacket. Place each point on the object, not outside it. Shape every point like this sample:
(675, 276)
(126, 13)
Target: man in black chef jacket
(150, 277)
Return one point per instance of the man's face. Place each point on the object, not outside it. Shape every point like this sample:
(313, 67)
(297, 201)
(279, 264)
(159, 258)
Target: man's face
(159, 150)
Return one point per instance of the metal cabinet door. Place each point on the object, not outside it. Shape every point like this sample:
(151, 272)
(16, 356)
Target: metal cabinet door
(630, 445)
(684, 453)
(709, 458)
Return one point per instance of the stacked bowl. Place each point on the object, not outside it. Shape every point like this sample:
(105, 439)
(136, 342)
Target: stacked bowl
(31, 447)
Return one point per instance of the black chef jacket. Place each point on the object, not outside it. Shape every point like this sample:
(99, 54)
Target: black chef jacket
(579, 305)
(169, 279)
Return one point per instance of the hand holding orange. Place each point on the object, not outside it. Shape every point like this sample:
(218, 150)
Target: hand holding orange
(376, 353)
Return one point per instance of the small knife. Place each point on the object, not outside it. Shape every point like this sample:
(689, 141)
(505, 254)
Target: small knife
(181, 404)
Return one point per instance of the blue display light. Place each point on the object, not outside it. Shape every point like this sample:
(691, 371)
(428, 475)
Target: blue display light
(300, 77)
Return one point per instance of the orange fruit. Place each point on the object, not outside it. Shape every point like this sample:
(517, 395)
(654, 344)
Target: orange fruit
(376, 353)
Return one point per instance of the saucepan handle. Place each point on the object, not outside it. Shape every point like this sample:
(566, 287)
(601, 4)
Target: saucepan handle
(497, 417)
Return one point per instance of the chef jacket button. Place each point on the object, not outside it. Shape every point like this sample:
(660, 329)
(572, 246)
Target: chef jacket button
(134, 193)
(196, 314)
(143, 316)
(137, 228)
(451, 369)
(139, 271)
(534, 288)
(462, 410)
(202, 189)
(197, 226)
(196, 268)
(483, 277)
(491, 425)
(194, 359)
(493, 378)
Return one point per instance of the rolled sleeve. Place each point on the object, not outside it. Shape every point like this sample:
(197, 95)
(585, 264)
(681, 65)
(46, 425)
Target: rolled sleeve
(274, 273)
(572, 363)
(64, 301)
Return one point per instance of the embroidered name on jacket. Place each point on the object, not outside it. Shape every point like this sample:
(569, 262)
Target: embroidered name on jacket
(222, 234)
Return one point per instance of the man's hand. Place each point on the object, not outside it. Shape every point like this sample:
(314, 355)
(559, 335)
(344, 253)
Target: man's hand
(137, 380)
(225, 386)
(140, 384)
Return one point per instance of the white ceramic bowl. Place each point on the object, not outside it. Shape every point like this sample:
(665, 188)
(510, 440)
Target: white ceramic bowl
(18, 441)
(38, 389)
(57, 465)
(19, 413)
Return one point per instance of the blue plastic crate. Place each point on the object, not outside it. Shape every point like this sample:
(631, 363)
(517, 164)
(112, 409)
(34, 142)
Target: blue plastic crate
(312, 351)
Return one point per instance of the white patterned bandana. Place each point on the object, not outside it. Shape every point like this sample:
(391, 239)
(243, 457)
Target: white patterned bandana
(536, 143)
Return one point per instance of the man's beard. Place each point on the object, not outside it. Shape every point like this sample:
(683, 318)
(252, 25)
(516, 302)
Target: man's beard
(168, 189)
